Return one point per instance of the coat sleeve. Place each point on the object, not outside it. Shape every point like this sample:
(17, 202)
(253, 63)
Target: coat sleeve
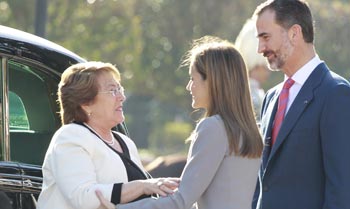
(335, 138)
(207, 150)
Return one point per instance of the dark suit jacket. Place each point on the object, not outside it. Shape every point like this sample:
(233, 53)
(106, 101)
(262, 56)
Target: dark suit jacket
(308, 166)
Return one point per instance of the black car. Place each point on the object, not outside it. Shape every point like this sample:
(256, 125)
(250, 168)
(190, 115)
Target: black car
(30, 69)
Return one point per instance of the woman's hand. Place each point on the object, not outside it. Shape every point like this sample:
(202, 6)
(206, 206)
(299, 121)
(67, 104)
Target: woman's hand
(134, 189)
(105, 204)
(161, 186)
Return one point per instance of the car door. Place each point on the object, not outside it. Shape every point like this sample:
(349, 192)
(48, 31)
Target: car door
(28, 120)
(30, 70)
(19, 185)
(32, 110)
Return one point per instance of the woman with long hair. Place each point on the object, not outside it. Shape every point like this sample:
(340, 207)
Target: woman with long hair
(224, 156)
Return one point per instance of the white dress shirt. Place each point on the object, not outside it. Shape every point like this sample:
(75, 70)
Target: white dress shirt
(300, 77)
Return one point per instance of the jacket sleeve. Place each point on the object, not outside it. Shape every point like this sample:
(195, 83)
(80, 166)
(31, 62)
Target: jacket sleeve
(207, 150)
(335, 139)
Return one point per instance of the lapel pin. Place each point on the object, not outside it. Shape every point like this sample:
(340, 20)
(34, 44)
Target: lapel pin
(306, 102)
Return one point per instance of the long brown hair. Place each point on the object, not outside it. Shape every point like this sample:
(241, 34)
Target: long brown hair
(218, 62)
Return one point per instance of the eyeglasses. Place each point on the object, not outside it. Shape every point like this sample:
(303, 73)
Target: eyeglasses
(114, 92)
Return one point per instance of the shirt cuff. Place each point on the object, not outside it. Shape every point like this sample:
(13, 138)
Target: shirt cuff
(116, 193)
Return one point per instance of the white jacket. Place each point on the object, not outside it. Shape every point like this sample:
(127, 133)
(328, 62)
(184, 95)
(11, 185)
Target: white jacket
(77, 163)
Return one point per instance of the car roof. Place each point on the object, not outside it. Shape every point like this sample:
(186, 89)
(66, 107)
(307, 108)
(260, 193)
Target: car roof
(21, 44)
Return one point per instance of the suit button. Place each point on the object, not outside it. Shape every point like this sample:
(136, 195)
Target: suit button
(265, 188)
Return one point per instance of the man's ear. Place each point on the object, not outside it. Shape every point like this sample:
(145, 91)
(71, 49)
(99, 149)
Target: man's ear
(295, 32)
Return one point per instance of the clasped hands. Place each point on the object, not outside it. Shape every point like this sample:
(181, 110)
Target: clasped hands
(160, 186)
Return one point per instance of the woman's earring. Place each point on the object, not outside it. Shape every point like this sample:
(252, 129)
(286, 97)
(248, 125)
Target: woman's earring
(89, 114)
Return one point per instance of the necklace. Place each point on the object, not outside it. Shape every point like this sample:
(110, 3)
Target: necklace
(110, 143)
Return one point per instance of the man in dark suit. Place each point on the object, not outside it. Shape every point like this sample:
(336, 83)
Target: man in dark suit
(306, 124)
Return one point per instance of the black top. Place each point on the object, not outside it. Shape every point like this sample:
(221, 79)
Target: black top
(133, 171)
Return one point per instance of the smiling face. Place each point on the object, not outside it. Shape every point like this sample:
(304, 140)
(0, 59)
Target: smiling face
(106, 108)
(274, 42)
(198, 89)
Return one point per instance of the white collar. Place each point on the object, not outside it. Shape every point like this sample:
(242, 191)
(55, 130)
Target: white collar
(304, 72)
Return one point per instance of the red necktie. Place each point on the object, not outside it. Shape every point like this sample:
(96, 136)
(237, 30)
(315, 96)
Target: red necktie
(282, 106)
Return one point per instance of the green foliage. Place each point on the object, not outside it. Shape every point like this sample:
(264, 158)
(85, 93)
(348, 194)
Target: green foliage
(170, 138)
(332, 34)
(16, 14)
(146, 39)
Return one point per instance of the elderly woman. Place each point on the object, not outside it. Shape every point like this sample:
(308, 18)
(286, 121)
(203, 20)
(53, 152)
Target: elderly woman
(84, 154)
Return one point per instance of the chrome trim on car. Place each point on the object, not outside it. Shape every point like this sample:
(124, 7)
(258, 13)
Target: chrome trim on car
(10, 182)
(5, 112)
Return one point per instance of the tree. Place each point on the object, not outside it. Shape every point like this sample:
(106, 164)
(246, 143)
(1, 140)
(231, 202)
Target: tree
(146, 39)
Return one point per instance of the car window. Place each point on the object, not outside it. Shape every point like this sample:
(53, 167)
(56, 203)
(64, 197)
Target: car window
(18, 115)
(33, 114)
